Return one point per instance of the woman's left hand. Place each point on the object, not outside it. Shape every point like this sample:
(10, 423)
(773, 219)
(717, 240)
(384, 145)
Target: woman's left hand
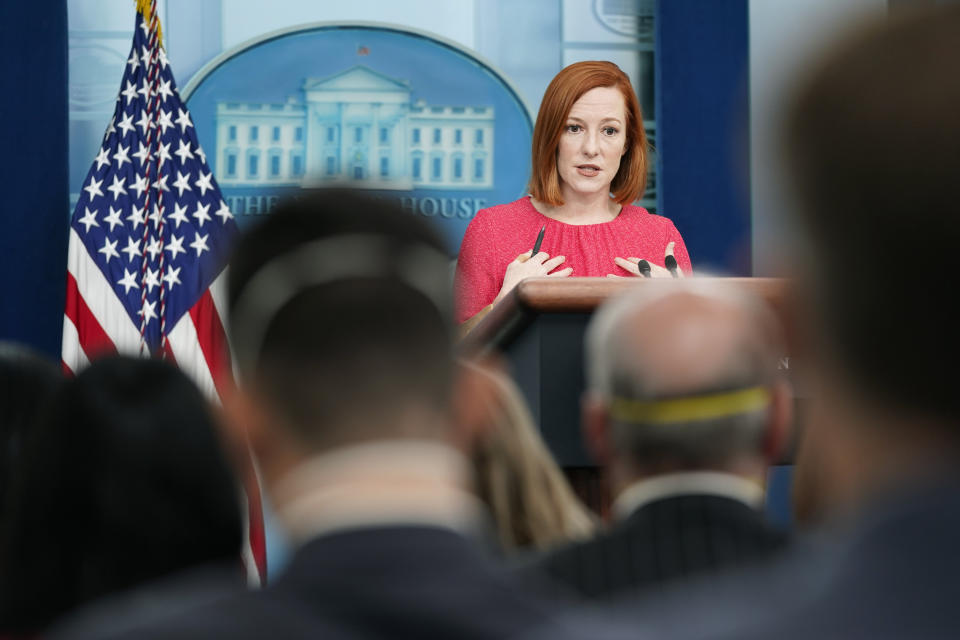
(656, 271)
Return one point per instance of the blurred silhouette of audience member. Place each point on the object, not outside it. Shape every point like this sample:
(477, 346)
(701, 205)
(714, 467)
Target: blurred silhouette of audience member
(809, 492)
(27, 382)
(124, 483)
(684, 410)
(341, 321)
(872, 143)
(532, 504)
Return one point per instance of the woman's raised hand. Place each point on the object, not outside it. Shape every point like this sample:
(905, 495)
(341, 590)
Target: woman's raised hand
(524, 266)
(656, 271)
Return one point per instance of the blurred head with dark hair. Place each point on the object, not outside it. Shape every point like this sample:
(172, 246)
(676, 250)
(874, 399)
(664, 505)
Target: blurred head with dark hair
(339, 313)
(125, 482)
(27, 382)
(872, 144)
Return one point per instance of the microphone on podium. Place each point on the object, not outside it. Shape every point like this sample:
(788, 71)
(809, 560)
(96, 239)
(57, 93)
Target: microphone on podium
(644, 267)
(671, 264)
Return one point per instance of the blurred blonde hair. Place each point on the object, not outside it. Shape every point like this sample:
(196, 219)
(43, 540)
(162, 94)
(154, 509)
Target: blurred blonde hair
(531, 501)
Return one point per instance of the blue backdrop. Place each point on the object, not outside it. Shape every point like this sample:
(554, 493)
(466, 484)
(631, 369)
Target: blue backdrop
(703, 129)
(33, 128)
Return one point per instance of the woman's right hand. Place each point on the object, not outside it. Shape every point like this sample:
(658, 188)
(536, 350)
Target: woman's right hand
(524, 266)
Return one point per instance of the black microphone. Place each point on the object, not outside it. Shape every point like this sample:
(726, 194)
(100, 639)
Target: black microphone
(644, 267)
(671, 263)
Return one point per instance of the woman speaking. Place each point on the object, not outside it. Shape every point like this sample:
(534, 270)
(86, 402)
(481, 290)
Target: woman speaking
(589, 164)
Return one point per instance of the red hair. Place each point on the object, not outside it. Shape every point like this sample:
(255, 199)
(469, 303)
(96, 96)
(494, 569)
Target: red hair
(565, 89)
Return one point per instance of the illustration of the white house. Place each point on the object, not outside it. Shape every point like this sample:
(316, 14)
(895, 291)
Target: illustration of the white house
(357, 125)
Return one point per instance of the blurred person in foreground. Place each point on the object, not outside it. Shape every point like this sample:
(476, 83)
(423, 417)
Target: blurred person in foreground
(340, 317)
(122, 484)
(872, 143)
(27, 382)
(532, 504)
(684, 411)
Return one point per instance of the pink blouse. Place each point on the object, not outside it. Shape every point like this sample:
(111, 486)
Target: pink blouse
(497, 235)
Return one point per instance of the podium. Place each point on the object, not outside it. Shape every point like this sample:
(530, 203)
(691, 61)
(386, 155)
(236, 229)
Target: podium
(539, 328)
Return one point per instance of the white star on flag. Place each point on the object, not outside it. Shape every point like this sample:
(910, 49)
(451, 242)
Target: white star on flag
(136, 217)
(116, 188)
(139, 183)
(132, 250)
(144, 121)
(130, 93)
(183, 152)
(183, 119)
(110, 249)
(147, 311)
(179, 214)
(153, 248)
(102, 158)
(121, 156)
(128, 281)
(113, 219)
(200, 243)
(165, 93)
(151, 279)
(160, 183)
(89, 219)
(94, 188)
(182, 182)
(175, 246)
(224, 212)
(142, 154)
(163, 151)
(126, 124)
(203, 183)
(201, 214)
(164, 121)
(172, 277)
(155, 216)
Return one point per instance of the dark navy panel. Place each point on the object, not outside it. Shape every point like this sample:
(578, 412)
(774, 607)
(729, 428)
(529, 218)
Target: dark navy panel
(34, 209)
(703, 179)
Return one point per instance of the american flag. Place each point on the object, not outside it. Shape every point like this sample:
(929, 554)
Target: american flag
(149, 238)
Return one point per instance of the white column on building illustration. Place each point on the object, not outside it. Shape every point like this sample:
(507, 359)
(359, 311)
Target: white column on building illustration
(310, 139)
(402, 142)
(373, 158)
(342, 168)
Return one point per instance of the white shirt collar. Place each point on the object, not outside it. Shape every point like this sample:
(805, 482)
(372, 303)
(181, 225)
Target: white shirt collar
(377, 484)
(712, 483)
